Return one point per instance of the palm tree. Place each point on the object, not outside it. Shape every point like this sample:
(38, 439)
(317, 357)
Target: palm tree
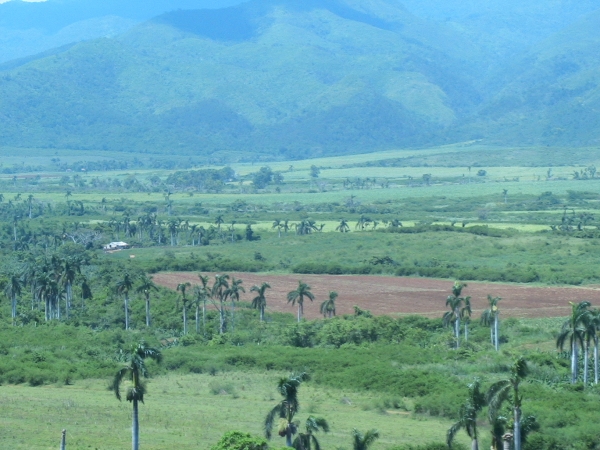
(490, 317)
(133, 371)
(328, 306)
(504, 390)
(260, 302)
(86, 291)
(234, 294)
(594, 320)
(343, 227)
(219, 291)
(455, 302)
(297, 295)
(279, 225)
(362, 441)
(70, 269)
(468, 415)
(182, 287)
(218, 222)
(590, 331)
(123, 287)
(12, 290)
(146, 286)
(573, 330)
(287, 408)
(465, 315)
(308, 441)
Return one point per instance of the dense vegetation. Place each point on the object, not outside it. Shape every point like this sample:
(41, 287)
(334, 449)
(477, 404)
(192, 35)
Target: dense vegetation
(71, 312)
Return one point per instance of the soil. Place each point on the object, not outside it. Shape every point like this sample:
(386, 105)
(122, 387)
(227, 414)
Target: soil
(399, 296)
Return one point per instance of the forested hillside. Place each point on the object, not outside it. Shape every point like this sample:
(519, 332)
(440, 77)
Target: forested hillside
(292, 79)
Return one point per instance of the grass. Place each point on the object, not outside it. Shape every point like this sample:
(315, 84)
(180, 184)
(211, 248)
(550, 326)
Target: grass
(182, 412)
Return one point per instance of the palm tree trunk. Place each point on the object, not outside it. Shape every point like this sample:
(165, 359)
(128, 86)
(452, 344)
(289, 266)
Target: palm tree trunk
(232, 315)
(457, 330)
(474, 444)
(574, 362)
(126, 313)
(288, 437)
(204, 318)
(466, 332)
(135, 427)
(517, 430)
(63, 440)
(221, 319)
(197, 318)
(14, 310)
(147, 312)
(496, 332)
(595, 359)
(262, 313)
(586, 357)
(184, 319)
(493, 340)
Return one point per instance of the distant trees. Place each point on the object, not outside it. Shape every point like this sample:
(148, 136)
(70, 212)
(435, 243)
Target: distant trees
(328, 306)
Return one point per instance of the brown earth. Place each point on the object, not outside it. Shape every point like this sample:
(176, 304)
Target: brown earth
(403, 295)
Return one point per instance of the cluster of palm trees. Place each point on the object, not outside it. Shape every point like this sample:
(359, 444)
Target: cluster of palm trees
(286, 410)
(460, 311)
(500, 393)
(50, 281)
(580, 331)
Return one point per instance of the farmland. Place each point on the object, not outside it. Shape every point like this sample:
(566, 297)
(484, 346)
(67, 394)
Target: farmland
(389, 233)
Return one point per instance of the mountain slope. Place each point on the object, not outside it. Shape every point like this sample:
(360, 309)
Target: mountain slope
(552, 94)
(283, 77)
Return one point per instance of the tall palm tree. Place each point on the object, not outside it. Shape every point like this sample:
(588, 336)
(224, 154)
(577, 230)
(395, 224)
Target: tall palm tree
(124, 286)
(468, 415)
(279, 225)
(465, 315)
(219, 291)
(133, 371)
(508, 390)
(145, 287)
(202, 293)
(362, 441)
(594, 320)
(234, 295)
(328, 306)
(86, 291)
(287, 408)
(12, 290)
(69, 272)
(308, 440)
(490, 317)
(260, 302)
(591, 321)
(298, 295)
(182, 287)
(455, 302)
(573, 330)
(343, 227)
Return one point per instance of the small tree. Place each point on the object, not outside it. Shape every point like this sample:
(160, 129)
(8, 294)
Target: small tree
(468, 416)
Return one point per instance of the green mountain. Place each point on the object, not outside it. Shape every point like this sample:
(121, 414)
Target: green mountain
(551, 95)
(299, 78)
(294, 78)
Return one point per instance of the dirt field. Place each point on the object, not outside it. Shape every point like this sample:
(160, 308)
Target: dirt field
(401, 296)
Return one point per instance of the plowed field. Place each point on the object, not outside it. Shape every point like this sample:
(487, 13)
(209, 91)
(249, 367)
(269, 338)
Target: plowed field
(402, 295)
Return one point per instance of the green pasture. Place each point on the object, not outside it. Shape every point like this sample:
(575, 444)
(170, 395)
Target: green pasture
(193, 412)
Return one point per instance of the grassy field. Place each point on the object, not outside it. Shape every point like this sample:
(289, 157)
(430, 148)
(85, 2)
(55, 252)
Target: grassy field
(193, 412)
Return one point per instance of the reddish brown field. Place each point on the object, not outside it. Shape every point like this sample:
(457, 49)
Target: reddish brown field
(401, 295)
